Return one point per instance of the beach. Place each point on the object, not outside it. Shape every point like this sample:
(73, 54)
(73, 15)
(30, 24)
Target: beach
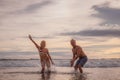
(62, 73)
(32, 32)
(15, 68)
(29, 69)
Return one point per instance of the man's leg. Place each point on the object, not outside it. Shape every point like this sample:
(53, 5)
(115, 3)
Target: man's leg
(76, 67)
(80, 68)
(82, 63)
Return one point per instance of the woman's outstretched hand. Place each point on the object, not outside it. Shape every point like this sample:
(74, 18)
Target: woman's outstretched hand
(30, 37)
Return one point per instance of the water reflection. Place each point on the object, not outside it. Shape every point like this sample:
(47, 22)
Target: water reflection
(79, 77)
(45, 76)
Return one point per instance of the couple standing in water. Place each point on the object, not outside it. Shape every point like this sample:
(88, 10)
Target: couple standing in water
(46, 60)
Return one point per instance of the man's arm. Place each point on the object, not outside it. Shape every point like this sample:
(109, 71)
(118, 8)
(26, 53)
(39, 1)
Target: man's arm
(73, 54)
(76, 56)
(72, 57)
(78, 53)
(37, 46)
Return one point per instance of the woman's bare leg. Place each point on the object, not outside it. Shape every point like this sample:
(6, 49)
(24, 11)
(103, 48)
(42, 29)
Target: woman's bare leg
(43, 67)
(48, 65)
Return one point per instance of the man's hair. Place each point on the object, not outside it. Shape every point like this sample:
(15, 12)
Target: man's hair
(72, 40)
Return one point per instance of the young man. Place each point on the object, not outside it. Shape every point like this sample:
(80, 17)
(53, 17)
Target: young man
(79, 54)
(45, 57)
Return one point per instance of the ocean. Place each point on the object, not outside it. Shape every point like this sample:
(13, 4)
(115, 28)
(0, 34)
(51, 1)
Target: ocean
(20, 59)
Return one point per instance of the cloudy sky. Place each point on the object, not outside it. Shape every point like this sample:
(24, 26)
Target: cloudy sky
(95, 24)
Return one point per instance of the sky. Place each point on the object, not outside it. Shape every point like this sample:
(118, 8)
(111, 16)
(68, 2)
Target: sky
(94, 24)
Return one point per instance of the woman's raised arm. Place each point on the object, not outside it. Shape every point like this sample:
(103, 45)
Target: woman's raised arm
(37, 46)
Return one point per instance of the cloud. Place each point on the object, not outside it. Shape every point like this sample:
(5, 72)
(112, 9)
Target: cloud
(32, 7)
(95, 33)
(107, 46)
(110, 15)
(9, 8)
(36, 6)
(41, 37)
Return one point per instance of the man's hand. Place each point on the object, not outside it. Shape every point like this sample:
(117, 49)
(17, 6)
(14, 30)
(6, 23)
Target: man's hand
(53, 63)
(72, 62)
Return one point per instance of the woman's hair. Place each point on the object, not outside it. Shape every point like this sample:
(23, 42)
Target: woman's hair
(43, 41)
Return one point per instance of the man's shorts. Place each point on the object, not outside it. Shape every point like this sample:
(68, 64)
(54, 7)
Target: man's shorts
(82, 61)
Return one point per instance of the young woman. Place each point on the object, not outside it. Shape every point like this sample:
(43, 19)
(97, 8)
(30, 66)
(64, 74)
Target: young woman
(45, 57)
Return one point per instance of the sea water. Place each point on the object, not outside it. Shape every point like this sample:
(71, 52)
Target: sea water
(28, 60)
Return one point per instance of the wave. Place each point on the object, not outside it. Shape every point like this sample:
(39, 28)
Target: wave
(92, 63)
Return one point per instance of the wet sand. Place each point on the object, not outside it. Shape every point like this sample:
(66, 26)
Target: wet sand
(62, 73)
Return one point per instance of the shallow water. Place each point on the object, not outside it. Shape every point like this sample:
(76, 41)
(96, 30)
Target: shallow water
(62, 73)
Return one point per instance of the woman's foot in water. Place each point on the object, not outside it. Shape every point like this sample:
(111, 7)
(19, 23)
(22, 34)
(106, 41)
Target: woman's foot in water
(49, 71)
(42, 71)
